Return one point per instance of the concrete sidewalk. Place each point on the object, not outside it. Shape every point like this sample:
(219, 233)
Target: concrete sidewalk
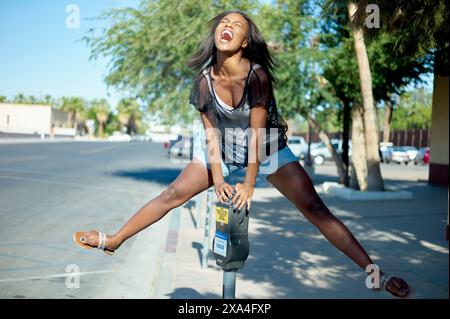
(289, 258)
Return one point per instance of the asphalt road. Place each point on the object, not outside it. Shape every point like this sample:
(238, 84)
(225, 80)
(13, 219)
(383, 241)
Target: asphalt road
(50, 190)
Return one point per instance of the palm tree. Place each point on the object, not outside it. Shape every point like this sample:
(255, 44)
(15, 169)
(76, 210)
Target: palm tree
(129, 113)
(374, 178)
(72, 105)
(32, 99)
(19, 98)
(81, 118)
(48, 99)
(418, 29)
(101, 109)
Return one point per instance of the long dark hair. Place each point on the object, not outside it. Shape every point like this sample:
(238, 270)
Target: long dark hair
(256, 50)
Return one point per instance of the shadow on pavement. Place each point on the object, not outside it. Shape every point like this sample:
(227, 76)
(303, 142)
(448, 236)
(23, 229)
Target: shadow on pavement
(293, 259)
(162, 176)
(405, 237)
(165, 176)
(189, 293)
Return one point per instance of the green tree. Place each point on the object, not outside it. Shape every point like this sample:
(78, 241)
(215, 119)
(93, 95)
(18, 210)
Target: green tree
(48, 99)
(102, 111)
(148, 48)
(112, 124)
(390, 75)
(20, 98)
(289, 27)
(73, 105)
(129, 115)
(416, 29)
(413, 111)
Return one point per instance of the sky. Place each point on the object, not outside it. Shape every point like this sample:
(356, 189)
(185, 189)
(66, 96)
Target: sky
(40, 54)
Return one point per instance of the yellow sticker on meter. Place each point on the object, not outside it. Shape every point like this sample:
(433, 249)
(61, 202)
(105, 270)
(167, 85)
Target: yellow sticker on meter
(222, 215)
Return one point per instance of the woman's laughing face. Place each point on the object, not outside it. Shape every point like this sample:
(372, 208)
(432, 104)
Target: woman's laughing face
(231, 33)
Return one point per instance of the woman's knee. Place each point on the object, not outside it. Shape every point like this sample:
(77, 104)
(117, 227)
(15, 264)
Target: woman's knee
(315, 210)
(172, 195)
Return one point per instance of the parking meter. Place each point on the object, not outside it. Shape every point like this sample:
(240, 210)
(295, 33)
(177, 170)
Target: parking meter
(230, 243)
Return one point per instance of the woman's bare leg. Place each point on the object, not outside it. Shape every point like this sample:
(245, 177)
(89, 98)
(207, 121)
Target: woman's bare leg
(193, 179)
(294, 183)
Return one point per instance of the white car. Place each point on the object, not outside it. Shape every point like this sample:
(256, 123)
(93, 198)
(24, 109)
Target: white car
(398, 155)
(411, 151)
(119, 137)
(140, 138)
(298, 145)
(320, 152)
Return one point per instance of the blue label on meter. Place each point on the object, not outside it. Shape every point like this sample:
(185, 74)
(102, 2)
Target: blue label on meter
(220, 244)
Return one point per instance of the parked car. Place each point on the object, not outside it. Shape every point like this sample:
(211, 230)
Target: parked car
(385, 154)
(119, 137)
(423, 156)
(298, 145)
(320, 152)
(384, 150)
(412, 152)
(168, 145)
(140, 138)
(183, 148)
(397, 154)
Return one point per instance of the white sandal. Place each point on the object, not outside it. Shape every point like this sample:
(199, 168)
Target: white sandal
(80, 239)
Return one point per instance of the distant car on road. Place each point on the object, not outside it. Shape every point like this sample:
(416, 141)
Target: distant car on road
(397, 154)
(384, 150)
(412, 152)
(320, 152)
(182, 148)
(423, 156)
(168, 145)
(119, 137)
(140, 138)
(298, 145)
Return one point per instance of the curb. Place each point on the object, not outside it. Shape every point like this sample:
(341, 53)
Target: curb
(355, 195)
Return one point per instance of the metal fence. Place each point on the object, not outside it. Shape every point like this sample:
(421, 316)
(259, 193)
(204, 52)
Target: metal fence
(410, 137)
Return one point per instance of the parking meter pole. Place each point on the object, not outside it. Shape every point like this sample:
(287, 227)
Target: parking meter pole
(207, 228)
(230, 244)
(198, 203)
(229, 285)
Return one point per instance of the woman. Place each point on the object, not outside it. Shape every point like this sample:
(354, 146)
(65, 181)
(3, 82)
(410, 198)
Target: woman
(234, 96)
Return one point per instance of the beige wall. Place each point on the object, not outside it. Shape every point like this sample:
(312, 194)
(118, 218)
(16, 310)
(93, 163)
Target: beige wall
(31, 119)
(439, 122)
(25, 118)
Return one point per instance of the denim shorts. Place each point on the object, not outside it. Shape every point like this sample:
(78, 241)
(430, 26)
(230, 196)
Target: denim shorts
(266, 167)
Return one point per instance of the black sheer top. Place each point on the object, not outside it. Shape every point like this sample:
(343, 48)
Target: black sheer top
(258, 90)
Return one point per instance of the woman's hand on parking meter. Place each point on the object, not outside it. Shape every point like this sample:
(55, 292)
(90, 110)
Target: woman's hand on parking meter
(244, 193)
(223, 191)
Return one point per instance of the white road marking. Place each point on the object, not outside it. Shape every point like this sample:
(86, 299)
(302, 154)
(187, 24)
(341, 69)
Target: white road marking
(98, 150)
